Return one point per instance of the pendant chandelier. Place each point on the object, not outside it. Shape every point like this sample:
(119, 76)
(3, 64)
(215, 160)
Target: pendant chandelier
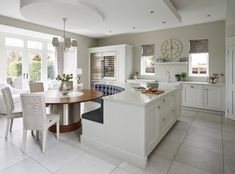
(67, 43)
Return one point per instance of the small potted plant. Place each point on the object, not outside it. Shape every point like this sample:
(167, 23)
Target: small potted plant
(178, 77)
(183, 75)
(135, 75)
(66, 83)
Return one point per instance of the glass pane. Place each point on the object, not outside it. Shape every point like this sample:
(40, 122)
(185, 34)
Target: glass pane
(14, 69)
(34, 44)
(50, 47)
(148, 65)
(199, 63)
(34, 66)
(14, 42)
(51, 70)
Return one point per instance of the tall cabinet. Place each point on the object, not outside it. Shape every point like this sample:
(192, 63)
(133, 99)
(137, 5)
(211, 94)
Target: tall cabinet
(230, 78)
(110, 63)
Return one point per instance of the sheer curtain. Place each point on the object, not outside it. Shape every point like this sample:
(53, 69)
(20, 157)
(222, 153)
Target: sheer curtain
(60, 60)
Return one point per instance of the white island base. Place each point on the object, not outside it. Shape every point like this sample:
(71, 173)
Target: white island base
(134, 123)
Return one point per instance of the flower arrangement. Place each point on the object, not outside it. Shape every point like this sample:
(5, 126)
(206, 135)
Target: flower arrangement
(64, 77)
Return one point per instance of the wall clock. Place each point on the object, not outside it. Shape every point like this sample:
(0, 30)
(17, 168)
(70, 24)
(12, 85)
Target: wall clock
(171, 48)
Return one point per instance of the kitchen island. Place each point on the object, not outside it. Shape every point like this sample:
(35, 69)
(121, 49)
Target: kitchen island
(133, 123)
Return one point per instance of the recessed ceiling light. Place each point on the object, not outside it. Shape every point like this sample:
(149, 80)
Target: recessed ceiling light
(163, 22)
(151, 12)
(208, 15)
(133, 28)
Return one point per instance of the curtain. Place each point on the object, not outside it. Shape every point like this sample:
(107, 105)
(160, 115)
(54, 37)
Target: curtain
(60, 60)
(199, 46)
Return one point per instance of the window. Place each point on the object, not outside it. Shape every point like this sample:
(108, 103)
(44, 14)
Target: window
(34, 44)
(14, 42)
(198, 58)
(147, 60)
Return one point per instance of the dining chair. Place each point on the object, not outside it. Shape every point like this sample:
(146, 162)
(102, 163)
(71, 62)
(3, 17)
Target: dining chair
(35, 117)
(11, 111)
(36, 87)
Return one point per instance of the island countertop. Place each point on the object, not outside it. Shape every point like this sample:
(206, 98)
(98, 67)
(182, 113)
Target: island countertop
(133, 96)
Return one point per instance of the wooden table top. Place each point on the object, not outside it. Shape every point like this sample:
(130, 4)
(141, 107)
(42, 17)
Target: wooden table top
(56, 97)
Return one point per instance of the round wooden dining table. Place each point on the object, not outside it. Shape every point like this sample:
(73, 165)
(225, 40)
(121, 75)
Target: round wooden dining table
(68, 106)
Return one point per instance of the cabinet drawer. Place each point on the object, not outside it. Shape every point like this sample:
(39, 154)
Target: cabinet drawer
(166, 101)
(166, 118)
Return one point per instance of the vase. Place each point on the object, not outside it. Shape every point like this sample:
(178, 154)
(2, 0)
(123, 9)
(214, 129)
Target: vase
(66, 86)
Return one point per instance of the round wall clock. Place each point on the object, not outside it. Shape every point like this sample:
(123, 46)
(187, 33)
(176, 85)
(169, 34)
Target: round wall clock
(171, 48)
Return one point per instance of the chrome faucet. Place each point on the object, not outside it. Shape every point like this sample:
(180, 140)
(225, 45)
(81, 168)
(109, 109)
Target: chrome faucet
(168, 76)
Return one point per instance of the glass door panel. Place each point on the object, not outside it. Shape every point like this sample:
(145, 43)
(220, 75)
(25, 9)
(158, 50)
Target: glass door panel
(35, 66)
(14, 68)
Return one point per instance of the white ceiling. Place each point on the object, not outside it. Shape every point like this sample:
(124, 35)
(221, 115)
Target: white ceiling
(102, 18)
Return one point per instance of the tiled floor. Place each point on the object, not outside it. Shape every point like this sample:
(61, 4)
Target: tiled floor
(200, 143)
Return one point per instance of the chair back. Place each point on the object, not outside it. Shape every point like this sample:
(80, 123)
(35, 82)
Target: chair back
(34, 111)
(36, 87)
(7, 96)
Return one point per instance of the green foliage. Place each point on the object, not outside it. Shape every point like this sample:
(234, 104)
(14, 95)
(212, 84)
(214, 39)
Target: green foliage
(183, 74)
(35, 71)
(14, 69)
(64, 77)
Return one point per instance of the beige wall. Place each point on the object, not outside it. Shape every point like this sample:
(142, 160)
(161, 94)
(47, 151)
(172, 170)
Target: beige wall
(83, 42)
(214, 31)
(230, 18)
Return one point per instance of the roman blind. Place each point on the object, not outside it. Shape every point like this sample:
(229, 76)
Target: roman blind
(148, 50)
(199, 46)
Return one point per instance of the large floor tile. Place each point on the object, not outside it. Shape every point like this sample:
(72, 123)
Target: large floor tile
(204, 116)
(204, 142)
(167, 149)
(229, 165)
(119, 170)
(229, 149)
(87, 164)
(176, 135)
(206, 131)
(207, 124)
(57, 157)
(156, 165)
(27, 166)
(179, 168)
(229, 136)
(196, 157)
(10, 155)
(186, 119)
(228, 124)
(182, 125)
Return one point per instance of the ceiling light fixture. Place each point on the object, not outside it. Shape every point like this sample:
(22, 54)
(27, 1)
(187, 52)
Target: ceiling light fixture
(163, 22)
(65, 42)
(151, 12)
(133, 28)
(208, 15)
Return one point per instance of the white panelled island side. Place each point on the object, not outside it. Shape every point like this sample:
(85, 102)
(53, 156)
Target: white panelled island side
(133, 123)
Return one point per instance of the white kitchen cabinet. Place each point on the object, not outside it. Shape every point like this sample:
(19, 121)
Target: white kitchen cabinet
(205, 96)
(214, 97)
(192, 95)
(110, 63)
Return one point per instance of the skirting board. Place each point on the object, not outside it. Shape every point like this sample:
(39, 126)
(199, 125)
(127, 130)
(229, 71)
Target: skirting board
(123, 155)
(221, 113)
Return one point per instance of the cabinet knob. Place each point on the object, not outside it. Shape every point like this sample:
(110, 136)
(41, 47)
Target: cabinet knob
(163, 119)
(192, 86)
(164, 100)
(158, 107)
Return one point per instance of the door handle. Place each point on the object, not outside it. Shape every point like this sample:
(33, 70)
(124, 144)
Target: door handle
(23, 75)
(27, 75)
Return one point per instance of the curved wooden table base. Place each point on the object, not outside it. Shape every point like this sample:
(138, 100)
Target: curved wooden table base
(69, 107)
(66, 128)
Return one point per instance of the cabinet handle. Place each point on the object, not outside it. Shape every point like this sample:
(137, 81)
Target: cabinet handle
(158, 107)
(192, 86)
(163, 119)
(173, 95)
(164, 100)
(173, 110)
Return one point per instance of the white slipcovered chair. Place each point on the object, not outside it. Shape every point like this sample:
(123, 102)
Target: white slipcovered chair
(11, 111)
(35, 117)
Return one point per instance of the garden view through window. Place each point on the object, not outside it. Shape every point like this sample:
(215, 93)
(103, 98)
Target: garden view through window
(147, 60)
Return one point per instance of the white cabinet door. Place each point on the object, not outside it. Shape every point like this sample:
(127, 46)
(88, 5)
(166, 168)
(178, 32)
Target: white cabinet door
(213, 97)
(192, 95)
(231, 82)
